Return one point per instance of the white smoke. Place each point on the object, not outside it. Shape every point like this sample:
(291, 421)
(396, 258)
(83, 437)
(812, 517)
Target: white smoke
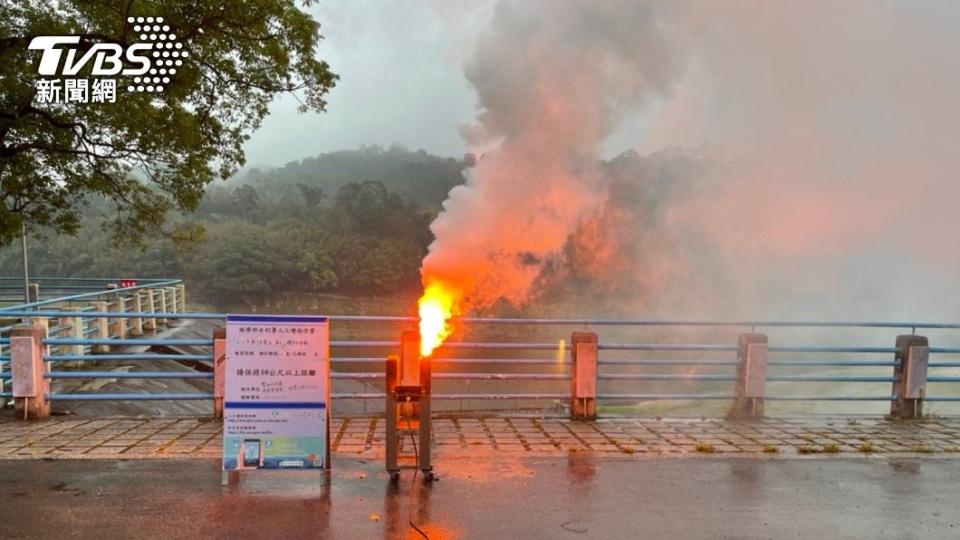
(553, 80)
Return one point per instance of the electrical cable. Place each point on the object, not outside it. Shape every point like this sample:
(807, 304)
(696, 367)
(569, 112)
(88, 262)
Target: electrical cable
(413, 483)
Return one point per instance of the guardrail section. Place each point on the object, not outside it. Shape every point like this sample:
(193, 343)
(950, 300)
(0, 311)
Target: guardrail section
(577, 367)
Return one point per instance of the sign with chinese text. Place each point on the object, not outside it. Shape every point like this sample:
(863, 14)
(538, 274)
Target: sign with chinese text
(277, 392)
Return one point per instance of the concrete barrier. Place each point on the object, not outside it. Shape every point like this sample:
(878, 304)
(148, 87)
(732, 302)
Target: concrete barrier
(30, 387)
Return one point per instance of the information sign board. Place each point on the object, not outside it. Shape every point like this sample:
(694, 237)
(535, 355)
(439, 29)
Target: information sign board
(277, 393)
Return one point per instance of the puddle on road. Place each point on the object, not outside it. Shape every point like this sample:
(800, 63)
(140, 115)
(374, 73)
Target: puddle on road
(485, 471)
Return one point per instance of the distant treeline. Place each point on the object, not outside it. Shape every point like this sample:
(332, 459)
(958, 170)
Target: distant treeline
(356, 224)
(350, 222)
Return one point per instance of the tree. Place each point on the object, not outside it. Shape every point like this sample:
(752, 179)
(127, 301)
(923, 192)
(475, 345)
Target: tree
(246, 199)
(259, 264)
(312, 195)
(148, 153)
(366, 204)
(264, 248)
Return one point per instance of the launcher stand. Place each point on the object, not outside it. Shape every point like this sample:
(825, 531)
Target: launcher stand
(408, 409)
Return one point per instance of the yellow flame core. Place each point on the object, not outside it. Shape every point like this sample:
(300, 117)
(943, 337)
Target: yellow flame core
(436, 308)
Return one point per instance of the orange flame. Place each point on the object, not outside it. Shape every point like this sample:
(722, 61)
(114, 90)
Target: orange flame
(436, 308)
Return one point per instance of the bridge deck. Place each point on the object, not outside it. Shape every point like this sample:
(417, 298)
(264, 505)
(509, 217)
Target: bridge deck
(460, 436)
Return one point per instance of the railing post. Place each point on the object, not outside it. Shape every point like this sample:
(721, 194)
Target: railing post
(76, 332)
(219, 369)
(3, 382)
(136, 328)
(163, 306)
(111, 298)
(583, 384)
(752, 350)
(172, 308)
(391, 369)
(151, 322)
(34, 292)
(120, 324)
(181, 298)
(909, 376)
(103, 327)
(30, 387)
(42, 322)
(64, 330)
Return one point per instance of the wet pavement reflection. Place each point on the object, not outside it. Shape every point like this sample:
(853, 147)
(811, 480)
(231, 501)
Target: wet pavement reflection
(577, 496)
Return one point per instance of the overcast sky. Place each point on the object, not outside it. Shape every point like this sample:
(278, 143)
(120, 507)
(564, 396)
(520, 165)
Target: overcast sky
(401, 80)
(401, 73)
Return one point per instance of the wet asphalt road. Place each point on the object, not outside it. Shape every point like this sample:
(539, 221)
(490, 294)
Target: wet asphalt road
(579, 497)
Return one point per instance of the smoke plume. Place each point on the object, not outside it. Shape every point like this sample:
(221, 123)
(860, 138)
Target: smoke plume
(789, 159)
(837, 124)
(552, 80)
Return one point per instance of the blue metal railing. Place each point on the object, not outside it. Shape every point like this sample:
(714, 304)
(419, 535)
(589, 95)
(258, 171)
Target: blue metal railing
(126, 357)
(116, 342)
(141, 284)
(699, 371)
(127, 375)
(93, 289)
(131, 397)
(757, 324)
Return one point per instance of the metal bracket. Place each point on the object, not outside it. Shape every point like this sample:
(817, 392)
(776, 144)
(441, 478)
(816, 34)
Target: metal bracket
(916, 373)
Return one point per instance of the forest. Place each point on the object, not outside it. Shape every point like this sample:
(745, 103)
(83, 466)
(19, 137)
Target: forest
(352, 227)
(353, 222)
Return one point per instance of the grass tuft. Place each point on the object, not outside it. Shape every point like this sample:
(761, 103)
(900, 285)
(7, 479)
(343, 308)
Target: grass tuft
(705, 447)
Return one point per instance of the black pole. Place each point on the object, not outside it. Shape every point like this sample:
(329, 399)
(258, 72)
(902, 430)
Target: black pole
(26, 268)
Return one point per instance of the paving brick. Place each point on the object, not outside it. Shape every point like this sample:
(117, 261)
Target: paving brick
(190, 437)
(103, 450)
